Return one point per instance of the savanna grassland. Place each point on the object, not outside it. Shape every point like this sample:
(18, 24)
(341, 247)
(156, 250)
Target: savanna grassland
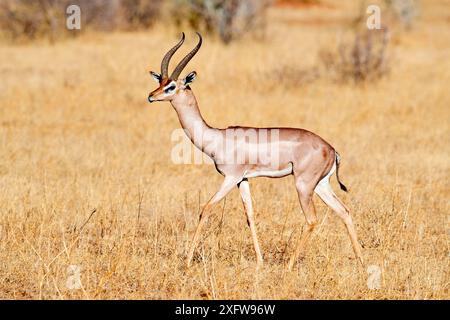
(88, 188)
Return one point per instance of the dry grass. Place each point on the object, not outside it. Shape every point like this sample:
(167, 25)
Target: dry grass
(76, 134)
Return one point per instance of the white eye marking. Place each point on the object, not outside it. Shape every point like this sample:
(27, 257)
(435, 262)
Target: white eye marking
(169, 88)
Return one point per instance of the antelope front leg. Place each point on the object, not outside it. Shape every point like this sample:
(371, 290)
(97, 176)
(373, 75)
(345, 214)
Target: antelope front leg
(228, 184)
(244, 189)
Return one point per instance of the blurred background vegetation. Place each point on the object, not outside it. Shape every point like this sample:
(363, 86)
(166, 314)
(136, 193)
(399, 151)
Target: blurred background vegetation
(227, 19)
(362, 58)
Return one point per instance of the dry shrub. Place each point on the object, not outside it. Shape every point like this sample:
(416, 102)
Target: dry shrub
(404, 11)
(103, 15)
(140, 13)
(229, 19)
(362, 59)
(22, 19)
(292, 76)
(19, 18)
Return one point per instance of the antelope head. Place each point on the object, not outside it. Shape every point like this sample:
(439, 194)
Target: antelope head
(169, 87)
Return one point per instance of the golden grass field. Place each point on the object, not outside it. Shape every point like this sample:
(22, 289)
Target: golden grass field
(78, 134)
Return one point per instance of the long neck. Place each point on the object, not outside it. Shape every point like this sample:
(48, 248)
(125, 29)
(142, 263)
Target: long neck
(198, 131)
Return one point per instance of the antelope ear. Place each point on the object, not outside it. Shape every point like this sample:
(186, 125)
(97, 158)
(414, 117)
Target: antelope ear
(190, 78)
(156, 76)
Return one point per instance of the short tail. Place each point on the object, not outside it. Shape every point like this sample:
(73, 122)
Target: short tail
(338, 161)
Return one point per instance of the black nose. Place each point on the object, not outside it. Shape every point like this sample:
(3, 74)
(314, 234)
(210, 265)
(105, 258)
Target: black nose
(150, 99)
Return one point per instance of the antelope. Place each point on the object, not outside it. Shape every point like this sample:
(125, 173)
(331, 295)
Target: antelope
(301, 153)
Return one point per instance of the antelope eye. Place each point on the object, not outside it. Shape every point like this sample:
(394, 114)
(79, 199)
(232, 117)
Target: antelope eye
(171, 88)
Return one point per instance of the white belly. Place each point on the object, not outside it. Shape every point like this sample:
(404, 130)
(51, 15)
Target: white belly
(270, 173)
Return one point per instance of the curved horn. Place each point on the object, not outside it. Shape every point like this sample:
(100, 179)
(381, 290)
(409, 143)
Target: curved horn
(166, 59)
(186, 59)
